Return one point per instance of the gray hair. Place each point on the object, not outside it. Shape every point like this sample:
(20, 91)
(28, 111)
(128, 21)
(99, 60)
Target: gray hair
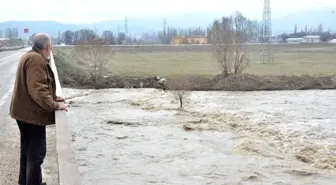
(41, 40)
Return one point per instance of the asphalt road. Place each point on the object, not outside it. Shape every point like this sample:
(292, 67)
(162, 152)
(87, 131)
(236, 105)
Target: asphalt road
(9, 140)
(9, 132)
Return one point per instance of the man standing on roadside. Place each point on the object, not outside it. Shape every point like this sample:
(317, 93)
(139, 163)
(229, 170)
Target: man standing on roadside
(33, 105)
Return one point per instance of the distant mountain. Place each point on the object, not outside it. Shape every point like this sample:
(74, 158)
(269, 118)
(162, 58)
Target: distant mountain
(50, 27)
(311, 17)
(135, 26)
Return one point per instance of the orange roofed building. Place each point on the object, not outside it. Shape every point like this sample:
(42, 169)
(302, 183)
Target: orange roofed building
(189, 40)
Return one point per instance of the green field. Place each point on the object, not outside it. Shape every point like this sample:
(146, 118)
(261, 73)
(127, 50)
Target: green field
(289, 59)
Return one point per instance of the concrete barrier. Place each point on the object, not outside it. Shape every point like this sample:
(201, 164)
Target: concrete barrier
(67, 166)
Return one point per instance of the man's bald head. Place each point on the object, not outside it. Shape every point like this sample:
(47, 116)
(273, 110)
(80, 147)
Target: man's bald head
(42, 42)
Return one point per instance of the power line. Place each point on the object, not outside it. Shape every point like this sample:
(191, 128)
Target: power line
(266, 50)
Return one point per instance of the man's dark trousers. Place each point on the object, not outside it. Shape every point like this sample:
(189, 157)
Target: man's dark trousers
(32, 153)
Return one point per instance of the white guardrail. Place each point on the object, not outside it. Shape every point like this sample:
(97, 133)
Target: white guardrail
(67, 166)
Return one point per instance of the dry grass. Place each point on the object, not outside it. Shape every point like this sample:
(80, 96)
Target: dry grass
(164, 64)
(289, 60)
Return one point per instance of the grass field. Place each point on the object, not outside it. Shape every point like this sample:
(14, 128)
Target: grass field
(289, 59)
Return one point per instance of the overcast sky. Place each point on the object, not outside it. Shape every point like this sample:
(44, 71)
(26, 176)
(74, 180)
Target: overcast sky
(86, 11)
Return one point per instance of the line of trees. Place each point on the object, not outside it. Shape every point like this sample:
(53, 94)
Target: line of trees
(11, 33)
(70, 37)
(253, 34)
(85, 35)
(318, 30)
(165, 36)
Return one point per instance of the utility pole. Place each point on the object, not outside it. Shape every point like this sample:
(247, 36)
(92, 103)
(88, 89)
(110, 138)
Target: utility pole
(266, 50)
(165, 26)
(59, 37)
(126, 27)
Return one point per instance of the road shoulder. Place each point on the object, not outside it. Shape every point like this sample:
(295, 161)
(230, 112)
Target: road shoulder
(9, 155)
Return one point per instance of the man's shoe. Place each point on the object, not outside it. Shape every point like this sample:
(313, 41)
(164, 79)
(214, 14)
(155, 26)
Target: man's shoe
(43, 183)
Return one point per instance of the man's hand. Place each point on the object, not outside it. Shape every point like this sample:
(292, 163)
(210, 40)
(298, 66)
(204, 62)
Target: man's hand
(60, 99)
(62, 106)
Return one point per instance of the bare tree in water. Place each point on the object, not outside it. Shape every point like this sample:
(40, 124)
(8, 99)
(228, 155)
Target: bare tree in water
(180, 88)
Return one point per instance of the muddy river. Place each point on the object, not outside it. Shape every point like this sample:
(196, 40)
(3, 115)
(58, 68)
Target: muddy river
(140, 136)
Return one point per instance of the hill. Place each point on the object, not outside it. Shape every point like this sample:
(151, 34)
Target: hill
(135, 25)
(310, 17)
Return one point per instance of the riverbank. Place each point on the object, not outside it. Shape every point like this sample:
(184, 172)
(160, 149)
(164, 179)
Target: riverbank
(296, 67)
(244, 82)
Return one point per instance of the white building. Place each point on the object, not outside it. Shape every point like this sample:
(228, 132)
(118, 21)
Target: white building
(311, 39)
(333, 41)
(294, 40)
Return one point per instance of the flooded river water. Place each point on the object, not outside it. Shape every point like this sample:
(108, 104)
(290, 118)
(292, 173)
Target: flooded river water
(140, 136)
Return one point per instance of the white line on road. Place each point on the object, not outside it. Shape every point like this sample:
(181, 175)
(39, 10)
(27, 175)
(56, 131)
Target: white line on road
(10, 56)
(6, 96)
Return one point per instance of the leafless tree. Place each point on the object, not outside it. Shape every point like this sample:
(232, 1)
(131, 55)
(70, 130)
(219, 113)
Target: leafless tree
(15, 33)
(84, 36)
(180, 88)
(96, 55)
(228, 38)
(108, 37)
(9, 33)
(68, 37)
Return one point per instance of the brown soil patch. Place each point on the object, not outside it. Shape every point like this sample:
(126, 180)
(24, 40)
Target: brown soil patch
(245, 82)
